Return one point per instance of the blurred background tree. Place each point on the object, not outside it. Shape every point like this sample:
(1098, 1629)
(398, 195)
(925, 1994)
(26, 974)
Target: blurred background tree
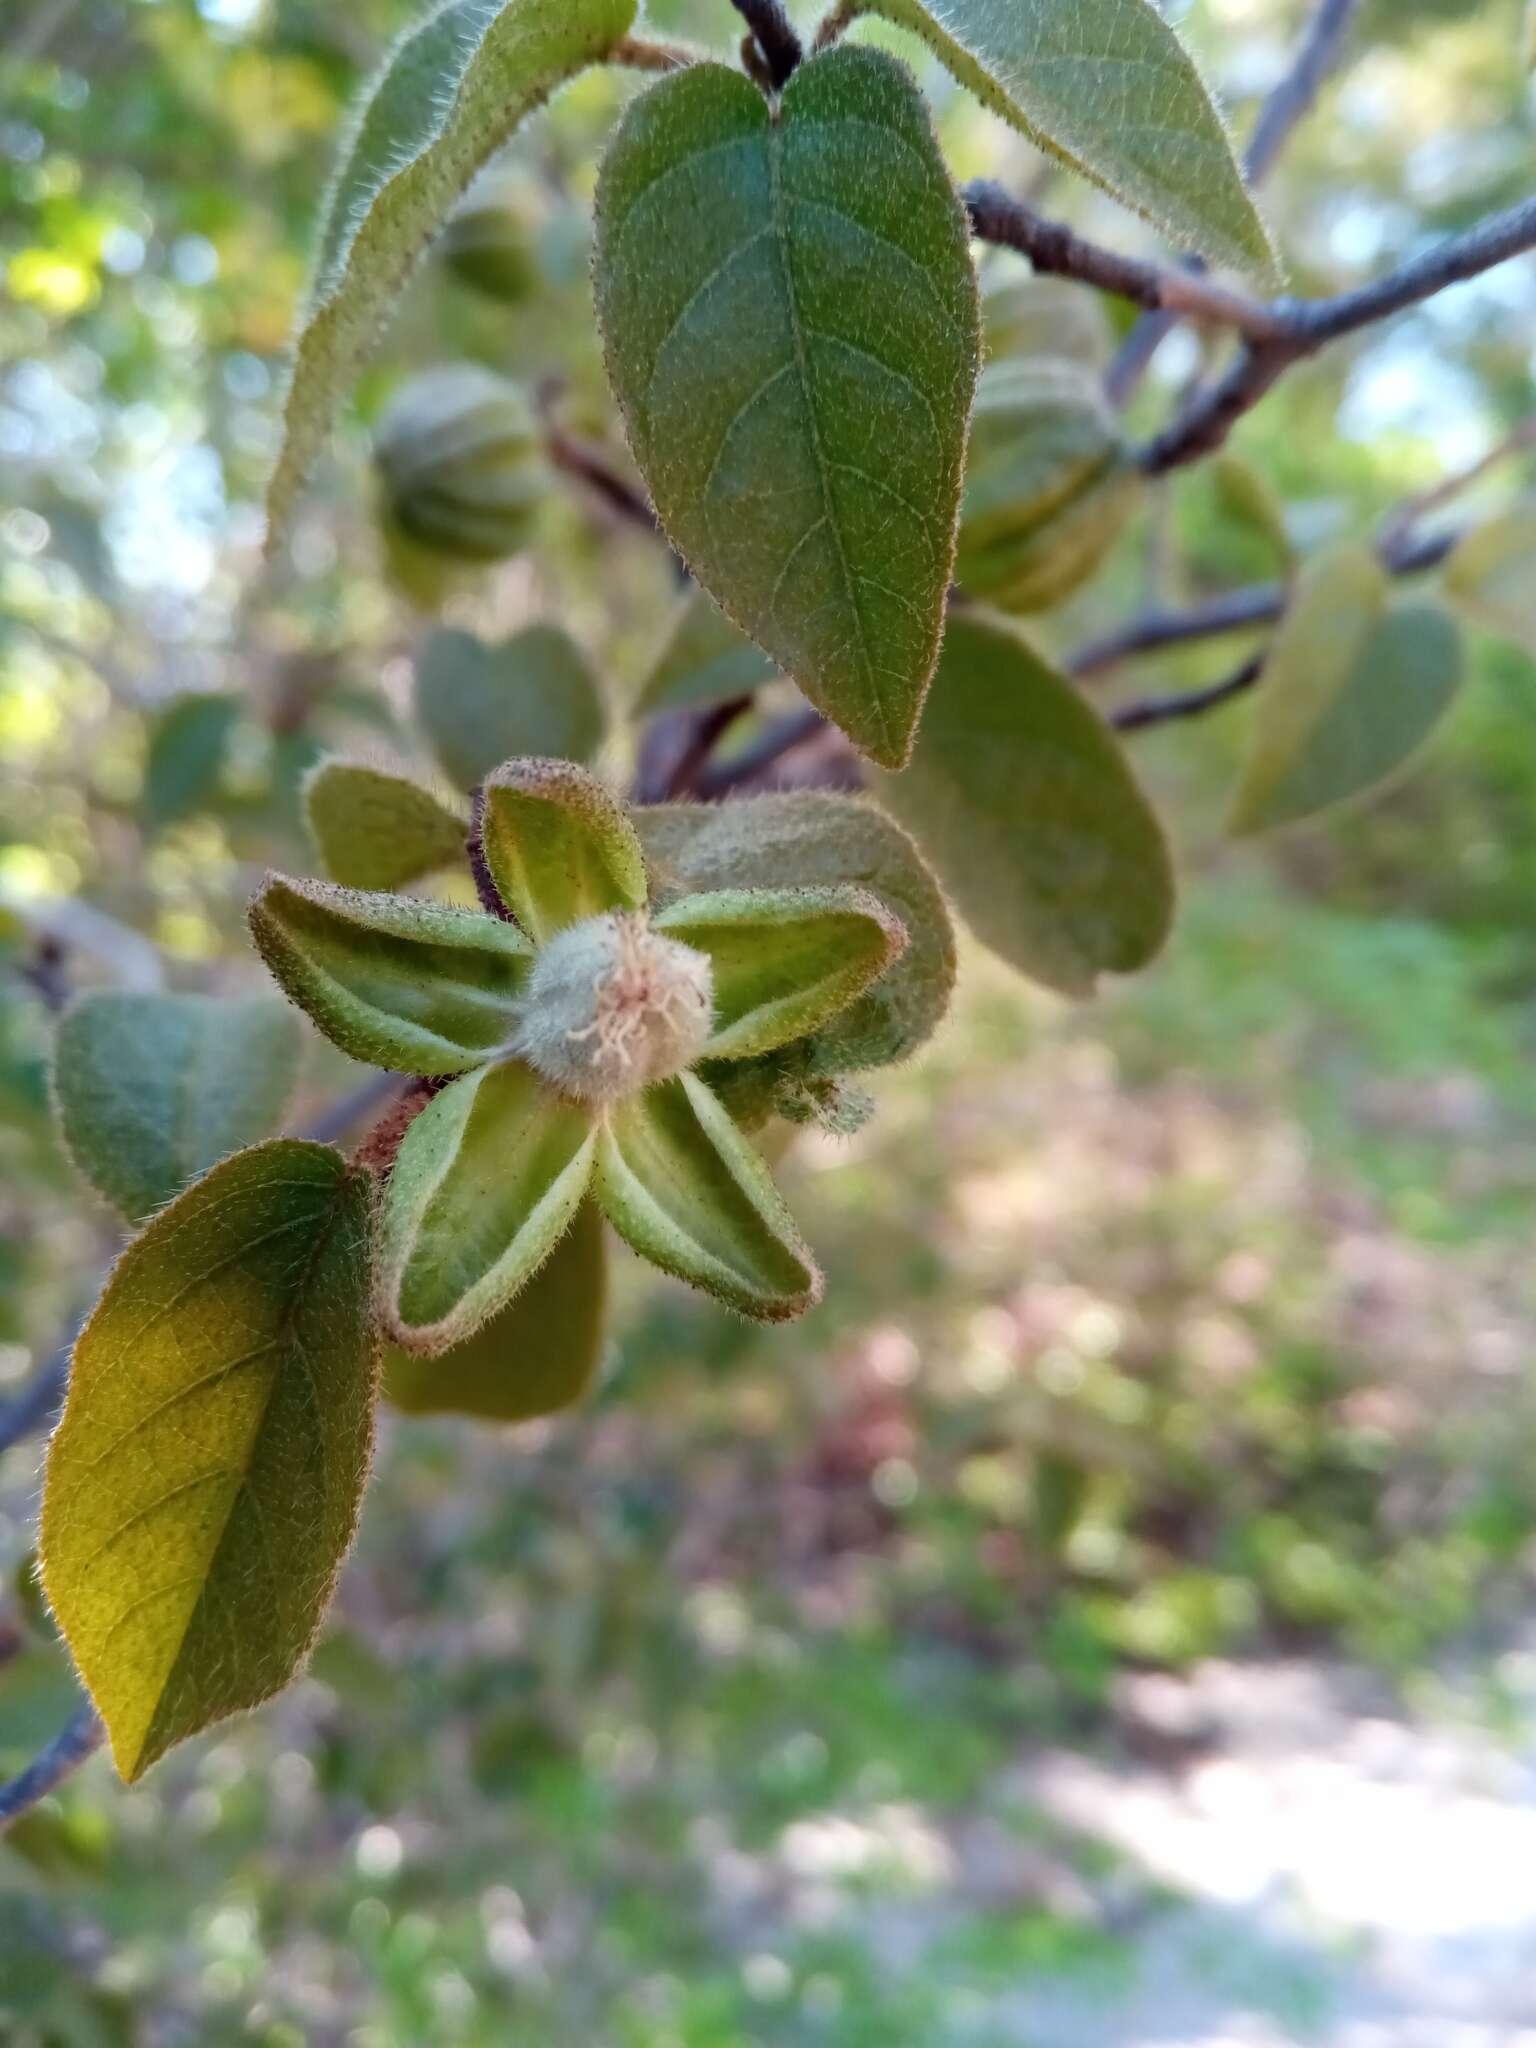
(1197, 1316)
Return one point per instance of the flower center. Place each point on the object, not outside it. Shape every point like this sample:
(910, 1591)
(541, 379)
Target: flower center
(612, 1006)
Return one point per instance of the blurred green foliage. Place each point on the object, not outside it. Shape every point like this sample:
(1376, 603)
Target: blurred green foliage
(1197, 1321)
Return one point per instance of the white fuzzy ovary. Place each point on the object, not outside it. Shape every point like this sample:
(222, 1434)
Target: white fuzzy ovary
(612, 1006)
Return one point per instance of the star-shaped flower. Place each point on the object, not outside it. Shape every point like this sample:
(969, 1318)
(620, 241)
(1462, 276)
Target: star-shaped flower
(574, 1025)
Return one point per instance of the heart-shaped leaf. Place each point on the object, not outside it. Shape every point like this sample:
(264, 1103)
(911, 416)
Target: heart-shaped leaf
(399, 982)
(479, 705)
(785, 961)
(682, 1185)
(1023, 801)
(1491, 575)
(1339, 714)
(812, 839)
(705, 659)
(534, 1357)
(450, 92)
(204, 1483)
(1106, 86)
(801, 438)
(486, 1180)
(375, 830)
(152, 1089)
(558, 846)
(188, 745)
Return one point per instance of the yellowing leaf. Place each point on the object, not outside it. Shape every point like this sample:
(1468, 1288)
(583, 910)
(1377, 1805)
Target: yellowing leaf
(449, 93)
(1331, 724)
(375, 830)
(801, 441)
(1106, 86)
(152, 1089)
(536, 1356)
(1024, 803)
(1491, 575)
(204, 1483)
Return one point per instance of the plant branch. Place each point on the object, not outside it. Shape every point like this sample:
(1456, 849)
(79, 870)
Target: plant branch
(80, 1737)
(774, 35)
(1305, 326)
(1053, 247)
(639, 55)
(1235, 611)
(1397, 527)
(1317, 55)
(1147, 711)
(779, 736)
(589, 465)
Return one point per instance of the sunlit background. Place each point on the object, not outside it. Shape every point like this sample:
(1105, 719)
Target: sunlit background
(1107, 1622)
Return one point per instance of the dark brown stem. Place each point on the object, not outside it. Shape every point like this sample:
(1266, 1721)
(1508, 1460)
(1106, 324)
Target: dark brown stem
(1188, 703)
(640, 55)
(1256, 604)
(590, 466)
(1050, 245)
(774, 35)
(779, 736)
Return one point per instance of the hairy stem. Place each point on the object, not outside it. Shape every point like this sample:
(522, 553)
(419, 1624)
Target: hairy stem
(774, 35)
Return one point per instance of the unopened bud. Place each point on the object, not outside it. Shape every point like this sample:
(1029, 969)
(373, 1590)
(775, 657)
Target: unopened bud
(489, 239)
(458, 455)
(612, 1005)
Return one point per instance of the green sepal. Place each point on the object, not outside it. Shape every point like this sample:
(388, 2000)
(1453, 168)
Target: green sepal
(421, 987)
(816, 839)
(152, 1090)
(558, 845)
(487, 1179)
(686, 1190)
(376, 830)
(534, 1357)
(203, 1485)
(785, 961)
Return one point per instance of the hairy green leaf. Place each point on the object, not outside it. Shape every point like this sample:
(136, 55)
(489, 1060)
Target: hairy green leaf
(785, 961)
(486, 1181)
(479, 705)
(1022, 799)
(811, 839)
(188, 744)
(705, 659)
(682, 1186)
(1325, 732)
(1491, 575)
(204, 1483)
(375, 830)
(152, 1090)
(1107, 87)
(450, 92)
(790, 326)
(534, 1357)
(401, 983)
(559, 846)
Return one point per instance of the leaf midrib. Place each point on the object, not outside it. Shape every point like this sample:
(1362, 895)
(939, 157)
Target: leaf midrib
(779, 218)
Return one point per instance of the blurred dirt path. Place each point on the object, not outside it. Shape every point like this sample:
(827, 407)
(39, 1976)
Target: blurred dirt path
(1346, 1878)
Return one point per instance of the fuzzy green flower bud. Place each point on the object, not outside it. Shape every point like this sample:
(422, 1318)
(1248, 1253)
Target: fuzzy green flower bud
(458, 457)
(612, 1006)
